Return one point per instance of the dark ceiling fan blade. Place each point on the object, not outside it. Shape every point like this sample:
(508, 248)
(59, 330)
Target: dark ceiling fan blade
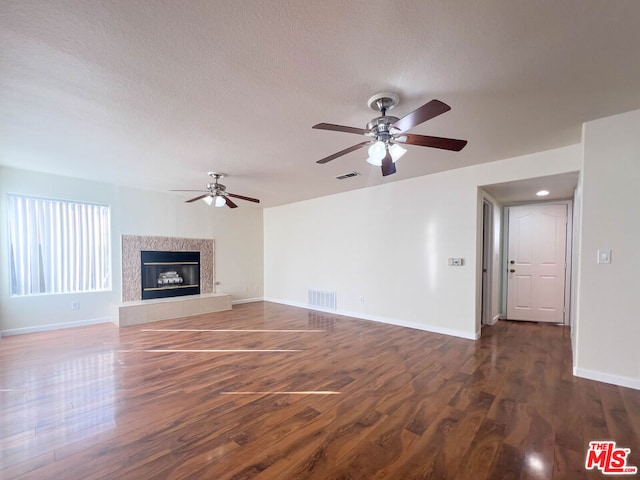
(388, 167)
(242, 197)
(197, 198)
(426, 112)
(434, 142)
(230, 204)
(340, 128)
(343, 152)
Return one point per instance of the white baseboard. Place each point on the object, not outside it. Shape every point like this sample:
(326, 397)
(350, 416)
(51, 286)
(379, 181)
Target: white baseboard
(55, 326)
(390, 321)
(247, 300)
(628, 382)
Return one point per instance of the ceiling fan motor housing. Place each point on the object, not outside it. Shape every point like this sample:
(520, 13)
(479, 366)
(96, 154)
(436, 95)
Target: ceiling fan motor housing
(379, 128)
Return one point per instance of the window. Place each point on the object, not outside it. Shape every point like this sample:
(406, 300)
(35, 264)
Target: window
(58, 246)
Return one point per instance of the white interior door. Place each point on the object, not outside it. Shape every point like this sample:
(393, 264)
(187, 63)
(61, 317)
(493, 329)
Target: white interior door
(537, 263)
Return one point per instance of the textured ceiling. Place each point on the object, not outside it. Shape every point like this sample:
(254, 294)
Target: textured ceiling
(155, 93)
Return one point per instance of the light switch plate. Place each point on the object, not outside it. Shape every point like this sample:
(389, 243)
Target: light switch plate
(604, 255)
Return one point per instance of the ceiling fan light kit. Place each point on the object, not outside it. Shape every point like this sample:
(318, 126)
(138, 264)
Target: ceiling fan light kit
(396, 152)
(375, 162)
(377, 151)
(387, 132)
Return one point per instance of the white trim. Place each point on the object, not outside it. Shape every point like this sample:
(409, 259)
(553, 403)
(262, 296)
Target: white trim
(55, 326)
(486, 282)
(247, 300)
(568, 273)
(389, 321)
(628, 382)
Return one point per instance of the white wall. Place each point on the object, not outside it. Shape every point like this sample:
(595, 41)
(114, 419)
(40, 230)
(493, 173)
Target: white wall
(238, 236)
(608, 327)
(390, 244)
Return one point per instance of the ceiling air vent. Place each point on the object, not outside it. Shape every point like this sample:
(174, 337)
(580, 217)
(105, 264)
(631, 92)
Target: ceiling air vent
(347, 175)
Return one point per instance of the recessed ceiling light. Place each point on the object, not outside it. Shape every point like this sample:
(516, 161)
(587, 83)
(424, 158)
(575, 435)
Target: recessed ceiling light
(543, 193)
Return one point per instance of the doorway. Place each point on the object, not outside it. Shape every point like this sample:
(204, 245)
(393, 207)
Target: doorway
(537, 262)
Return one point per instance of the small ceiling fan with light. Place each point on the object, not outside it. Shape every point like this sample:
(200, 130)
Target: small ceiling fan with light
(216, 194)
(388, 133)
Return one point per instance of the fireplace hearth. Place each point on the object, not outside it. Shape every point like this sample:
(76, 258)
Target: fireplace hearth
(169, 274)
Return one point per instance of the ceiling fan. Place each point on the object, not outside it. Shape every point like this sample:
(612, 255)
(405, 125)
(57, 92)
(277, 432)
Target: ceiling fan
(216, 193)
(389, 133)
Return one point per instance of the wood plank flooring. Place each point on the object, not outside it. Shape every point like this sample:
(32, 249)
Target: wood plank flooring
(267, 391)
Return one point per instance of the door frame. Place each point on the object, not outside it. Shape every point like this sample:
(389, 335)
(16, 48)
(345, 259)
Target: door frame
(486, 283)
(568, 252)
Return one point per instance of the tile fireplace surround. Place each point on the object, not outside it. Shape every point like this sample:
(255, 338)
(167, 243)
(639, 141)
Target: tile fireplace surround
(132, 245)
(134, 311)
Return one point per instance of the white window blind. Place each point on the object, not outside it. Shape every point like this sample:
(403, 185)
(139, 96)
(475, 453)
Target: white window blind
(58, 246)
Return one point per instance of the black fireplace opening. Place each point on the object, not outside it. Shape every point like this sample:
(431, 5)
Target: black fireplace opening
(169, 274)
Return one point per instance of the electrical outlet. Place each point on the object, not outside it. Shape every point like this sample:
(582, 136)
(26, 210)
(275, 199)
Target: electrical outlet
(75, 305)
(362, 299)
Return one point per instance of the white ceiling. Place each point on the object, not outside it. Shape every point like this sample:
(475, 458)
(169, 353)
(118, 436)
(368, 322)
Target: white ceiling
(155, 93)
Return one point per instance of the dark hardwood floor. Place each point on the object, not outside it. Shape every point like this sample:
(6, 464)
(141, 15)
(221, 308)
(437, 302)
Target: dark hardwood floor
(274, 392)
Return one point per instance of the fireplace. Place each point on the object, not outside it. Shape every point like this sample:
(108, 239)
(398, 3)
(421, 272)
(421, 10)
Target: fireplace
(169, 274)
